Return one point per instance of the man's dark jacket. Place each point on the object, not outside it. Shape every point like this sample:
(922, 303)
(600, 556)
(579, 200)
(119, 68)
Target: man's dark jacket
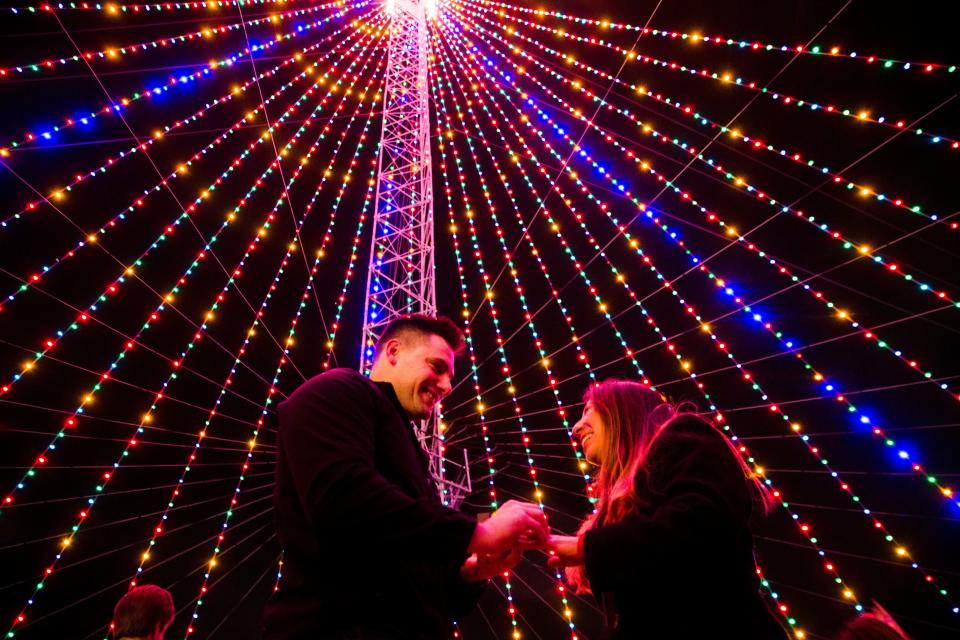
(682, 565)
(366, 541)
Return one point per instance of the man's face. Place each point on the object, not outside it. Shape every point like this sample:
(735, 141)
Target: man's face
(421, 370)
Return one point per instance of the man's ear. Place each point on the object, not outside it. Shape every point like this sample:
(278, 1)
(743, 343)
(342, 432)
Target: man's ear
(392, 351)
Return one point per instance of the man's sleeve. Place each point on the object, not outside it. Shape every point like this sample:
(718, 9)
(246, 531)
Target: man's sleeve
(463, 595)
(705, 504)
(327, 437)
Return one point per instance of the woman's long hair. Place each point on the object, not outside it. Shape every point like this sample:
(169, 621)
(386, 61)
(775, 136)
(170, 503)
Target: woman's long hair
(633, 416)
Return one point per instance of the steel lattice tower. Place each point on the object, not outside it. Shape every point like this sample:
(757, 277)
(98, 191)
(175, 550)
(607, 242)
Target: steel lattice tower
(401, 276)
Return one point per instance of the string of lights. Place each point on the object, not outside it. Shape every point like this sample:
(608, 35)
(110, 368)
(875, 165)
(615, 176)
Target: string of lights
(116, 107)
(785, 334)
(488, 444)
(71, 421)
(159, 396)
(116, 8)
(891, 266)
(722, 283)
(251, 331)
(945, 491)
(169, 130)
(181, 170)
(754, 384)
(738, 43)
(113, 288)
(183, 552)
(535, 337)
(169, 190)
(689, 110)
(495, 322)
(123, 50)
(754, 86)
(684, 365)
(582, 355)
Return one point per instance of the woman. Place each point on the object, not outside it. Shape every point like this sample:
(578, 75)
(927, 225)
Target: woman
(668, 551)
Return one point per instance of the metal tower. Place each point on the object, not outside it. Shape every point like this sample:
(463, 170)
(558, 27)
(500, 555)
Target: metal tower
(400, 276)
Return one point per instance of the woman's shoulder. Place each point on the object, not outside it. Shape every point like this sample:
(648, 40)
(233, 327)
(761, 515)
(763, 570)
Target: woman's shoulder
(689, 427)
(689, 439)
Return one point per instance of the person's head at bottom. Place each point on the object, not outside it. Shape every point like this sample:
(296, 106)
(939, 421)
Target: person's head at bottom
(144, 613)
(875, 625)
(415, 354)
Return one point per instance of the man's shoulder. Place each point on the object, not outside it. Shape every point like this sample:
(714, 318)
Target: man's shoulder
(336, 383)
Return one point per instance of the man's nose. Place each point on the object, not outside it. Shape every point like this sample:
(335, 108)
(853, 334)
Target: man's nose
(445, 385)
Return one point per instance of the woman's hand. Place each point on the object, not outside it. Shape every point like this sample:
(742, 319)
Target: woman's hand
(564, 551)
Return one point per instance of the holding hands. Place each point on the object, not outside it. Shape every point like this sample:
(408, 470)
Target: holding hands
(498, 542)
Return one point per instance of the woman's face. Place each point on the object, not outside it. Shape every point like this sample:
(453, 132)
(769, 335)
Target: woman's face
(592, 433)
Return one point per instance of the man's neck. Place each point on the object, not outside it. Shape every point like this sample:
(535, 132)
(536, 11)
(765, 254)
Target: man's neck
(377, 374)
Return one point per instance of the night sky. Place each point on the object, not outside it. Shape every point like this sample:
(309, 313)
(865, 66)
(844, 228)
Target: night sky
(793, 268)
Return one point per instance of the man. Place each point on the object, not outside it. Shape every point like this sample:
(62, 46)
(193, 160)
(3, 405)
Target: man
(369, 551)
(144, 613)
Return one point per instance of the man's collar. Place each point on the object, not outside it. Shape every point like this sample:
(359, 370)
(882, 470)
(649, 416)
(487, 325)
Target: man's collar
(391, 393)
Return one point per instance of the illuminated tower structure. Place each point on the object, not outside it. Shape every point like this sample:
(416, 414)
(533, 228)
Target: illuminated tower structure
(401, 273)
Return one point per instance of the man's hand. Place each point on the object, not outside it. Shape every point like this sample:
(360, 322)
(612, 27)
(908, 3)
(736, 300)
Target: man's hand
(481, 567)
(515, 524)
(564, 551)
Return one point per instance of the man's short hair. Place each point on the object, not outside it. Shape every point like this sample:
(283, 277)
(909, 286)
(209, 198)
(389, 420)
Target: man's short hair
(140, 611)
(424, 324)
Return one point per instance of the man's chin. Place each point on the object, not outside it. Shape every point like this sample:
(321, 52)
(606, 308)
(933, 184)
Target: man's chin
(421, 413)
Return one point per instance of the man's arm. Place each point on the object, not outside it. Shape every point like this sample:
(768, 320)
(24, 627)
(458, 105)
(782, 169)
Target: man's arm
(327, 435)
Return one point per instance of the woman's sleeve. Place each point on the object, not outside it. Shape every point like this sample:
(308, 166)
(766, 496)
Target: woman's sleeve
(704, 505)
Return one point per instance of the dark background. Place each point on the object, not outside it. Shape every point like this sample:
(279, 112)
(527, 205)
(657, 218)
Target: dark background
(77, 598)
